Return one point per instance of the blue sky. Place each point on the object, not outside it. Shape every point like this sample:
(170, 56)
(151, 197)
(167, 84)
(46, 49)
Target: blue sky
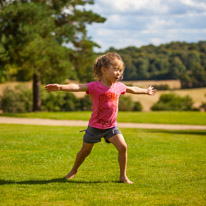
(143, 22)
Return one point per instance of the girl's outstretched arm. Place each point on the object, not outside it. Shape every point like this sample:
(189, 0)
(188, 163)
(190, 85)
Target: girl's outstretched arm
(137, 90)
(66, 87)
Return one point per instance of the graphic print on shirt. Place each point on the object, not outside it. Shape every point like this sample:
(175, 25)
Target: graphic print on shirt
(108, 104)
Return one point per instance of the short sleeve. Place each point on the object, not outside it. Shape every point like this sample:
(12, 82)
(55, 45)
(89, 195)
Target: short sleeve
(90, 88)
(123, 88)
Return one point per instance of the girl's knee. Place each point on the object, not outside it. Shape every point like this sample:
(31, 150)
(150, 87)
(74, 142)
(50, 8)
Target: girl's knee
(122, 148)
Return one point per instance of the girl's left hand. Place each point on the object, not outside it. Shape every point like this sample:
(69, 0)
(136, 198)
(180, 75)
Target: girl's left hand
(151, 90)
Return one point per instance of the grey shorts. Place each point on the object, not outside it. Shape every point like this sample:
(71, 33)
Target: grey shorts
(94, 135)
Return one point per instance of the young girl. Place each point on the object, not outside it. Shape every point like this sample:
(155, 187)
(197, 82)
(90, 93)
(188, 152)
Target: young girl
(105, 94)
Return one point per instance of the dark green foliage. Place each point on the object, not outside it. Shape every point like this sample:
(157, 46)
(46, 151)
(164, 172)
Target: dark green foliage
(203, 107)
(20, 100)
(16, 100)
(161, 87)
(33, 35)
(126, 104)
(52, 101)
(177, 60)
(173, 102)
(61, 101)
(70, 103)
(137, 106)
(86, 103)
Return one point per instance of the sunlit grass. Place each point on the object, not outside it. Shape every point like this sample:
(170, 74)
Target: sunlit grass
(168, 168)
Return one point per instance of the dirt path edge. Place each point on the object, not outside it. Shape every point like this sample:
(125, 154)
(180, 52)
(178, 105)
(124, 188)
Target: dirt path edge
(73, 123)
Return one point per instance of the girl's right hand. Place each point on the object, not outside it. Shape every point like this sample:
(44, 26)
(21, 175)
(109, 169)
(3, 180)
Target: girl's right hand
(52, 87)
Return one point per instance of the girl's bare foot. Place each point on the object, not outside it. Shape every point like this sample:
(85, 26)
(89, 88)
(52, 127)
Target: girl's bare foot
(125, 180)
(70, 175)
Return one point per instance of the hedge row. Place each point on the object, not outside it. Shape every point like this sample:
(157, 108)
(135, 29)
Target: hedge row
(20, 100)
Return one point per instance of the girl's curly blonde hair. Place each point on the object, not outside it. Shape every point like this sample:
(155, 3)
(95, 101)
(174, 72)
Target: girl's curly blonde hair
(111, 59)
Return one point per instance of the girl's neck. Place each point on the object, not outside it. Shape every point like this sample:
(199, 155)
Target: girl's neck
(105, 82)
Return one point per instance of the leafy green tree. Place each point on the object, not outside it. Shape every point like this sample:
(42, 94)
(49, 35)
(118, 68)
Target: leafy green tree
(82, 60)
(193, 59)
(130, 72)
(142, 65)
(186, 81)
(176, 68)
(198, 76)
(33, 34)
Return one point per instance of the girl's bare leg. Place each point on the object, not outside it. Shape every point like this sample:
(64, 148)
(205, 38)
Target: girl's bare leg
(119, 142)
(82, 154)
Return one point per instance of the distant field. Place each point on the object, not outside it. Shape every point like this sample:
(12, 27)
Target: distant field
(198, 95)
(173, 84)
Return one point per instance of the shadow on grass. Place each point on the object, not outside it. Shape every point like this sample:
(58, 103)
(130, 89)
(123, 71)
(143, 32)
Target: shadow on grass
(57, 180)
(189, 132)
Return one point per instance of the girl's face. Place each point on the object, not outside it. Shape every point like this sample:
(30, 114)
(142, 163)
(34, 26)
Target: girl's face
(112, 74)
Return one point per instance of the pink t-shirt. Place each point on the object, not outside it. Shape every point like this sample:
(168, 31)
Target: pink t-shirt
(105, 104)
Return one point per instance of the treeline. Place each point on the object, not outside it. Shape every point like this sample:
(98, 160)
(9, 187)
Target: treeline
(176, 60)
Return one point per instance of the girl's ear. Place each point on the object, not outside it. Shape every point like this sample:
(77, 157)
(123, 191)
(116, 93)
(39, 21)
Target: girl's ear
(103, 70)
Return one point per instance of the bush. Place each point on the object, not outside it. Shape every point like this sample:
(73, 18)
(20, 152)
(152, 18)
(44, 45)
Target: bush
(173, 102)
(137, 106)
(203, 107)
(61, 101)
(161, 87)
(52, 101)
(16, 100)
(20, 100)
(86, 103)
(126, 104)
(70, 103)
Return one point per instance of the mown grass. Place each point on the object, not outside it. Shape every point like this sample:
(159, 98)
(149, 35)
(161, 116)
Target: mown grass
(168, 168)
(191, 118)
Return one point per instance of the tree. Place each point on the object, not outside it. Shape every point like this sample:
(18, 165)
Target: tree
(198, 76)
(142, 65)
(33, 36)
(176, 68)
(82, 60)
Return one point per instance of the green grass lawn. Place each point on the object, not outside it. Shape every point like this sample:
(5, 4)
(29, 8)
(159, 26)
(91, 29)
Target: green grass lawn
(191, 118)
(168, 168)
